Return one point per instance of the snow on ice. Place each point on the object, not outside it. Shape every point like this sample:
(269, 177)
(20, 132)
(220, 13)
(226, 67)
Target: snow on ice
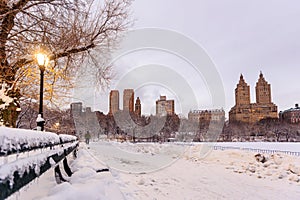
(186, 171)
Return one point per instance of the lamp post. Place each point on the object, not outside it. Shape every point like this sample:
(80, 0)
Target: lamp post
(42, 61)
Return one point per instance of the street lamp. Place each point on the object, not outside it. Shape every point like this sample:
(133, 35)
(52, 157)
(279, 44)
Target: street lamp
(42, 61)
(56, 126)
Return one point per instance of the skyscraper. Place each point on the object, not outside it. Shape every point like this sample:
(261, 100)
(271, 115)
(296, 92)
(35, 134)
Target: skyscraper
(138, 107)
(113, 101)
(128, 100)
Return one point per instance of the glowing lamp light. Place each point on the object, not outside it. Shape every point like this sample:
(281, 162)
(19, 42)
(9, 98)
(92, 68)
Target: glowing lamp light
(42, 59)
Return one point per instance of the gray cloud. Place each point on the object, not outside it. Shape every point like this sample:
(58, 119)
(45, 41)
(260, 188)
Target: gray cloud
(239, 36)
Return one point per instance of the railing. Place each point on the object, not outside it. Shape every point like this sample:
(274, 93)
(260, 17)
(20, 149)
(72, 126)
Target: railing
(26, 154)
(268, 151)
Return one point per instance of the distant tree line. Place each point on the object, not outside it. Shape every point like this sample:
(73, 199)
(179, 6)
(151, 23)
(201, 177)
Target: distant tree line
(272, 130)
(129, 126)
(60, 121)
(150, 129)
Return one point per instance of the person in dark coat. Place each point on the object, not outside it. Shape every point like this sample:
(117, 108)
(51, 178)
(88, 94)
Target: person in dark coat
(87, 137)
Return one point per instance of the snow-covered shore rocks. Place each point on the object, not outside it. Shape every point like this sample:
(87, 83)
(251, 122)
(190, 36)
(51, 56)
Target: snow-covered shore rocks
(263, 166)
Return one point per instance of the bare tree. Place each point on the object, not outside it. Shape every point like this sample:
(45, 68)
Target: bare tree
(73, 33)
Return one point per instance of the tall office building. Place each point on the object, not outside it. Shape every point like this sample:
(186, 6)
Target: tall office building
(113, 101)
(128, 100)
(164, 107)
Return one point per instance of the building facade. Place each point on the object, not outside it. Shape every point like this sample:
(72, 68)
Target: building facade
(291, 115)
(244, 110)
(85, 120)
(76, 107)
(164, 107)
(128, 100)
(113, 101)
(206, 115)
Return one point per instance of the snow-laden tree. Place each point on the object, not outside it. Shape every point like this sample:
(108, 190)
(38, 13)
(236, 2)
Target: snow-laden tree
(73, 33)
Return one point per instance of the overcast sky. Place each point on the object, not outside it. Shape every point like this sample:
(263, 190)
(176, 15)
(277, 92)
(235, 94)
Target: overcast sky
(239, 36)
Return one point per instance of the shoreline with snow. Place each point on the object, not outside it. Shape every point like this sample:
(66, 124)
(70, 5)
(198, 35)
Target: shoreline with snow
(221, 174)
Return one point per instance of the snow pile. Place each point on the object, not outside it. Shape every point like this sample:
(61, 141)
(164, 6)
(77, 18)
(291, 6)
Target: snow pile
(136, 157)
(192, 176)
(18, 140)
(14, 140)
(199, 173)
(143, 148)
(67, 138)
(267, 146)
(32, 162)
(85, 183)
(275, 166)
(197, 152)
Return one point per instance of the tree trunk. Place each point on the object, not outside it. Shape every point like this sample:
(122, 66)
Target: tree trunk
(9, 113)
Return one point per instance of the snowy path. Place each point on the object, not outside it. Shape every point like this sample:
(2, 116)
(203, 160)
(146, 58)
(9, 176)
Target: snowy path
(189, 177)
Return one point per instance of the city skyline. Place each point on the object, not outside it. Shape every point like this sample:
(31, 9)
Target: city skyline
(244, 37)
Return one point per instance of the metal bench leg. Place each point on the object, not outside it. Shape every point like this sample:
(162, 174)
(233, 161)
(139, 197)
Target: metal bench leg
(67, 168)
(58, 176)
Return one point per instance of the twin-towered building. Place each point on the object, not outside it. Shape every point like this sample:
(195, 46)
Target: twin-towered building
(244, 110)
(163, 106)
(128, 102)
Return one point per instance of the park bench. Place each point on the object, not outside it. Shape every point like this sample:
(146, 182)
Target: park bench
(26, 154)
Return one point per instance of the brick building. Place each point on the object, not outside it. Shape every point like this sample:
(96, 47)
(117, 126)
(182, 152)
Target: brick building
(164, 107)
(113, 101)
(244, 110)
(291, 115)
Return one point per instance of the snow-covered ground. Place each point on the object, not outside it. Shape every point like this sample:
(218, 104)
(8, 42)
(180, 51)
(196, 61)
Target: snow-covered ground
(85, 183)
(172, 171)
